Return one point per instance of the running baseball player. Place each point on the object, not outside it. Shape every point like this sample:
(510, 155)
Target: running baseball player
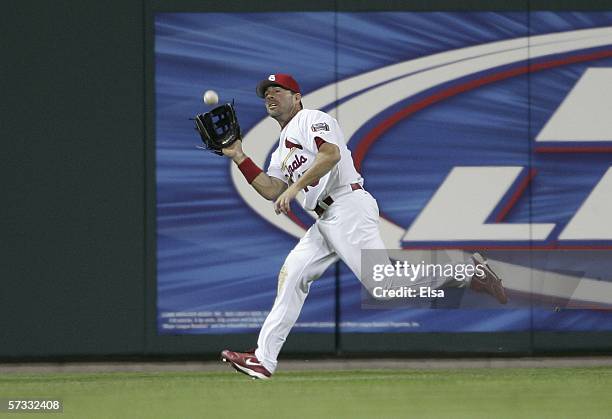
(312, 157)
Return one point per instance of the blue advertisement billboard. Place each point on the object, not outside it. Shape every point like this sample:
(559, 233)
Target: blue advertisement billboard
(475, 131)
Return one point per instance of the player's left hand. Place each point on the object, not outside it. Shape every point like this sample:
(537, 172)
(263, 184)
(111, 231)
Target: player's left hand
(283, 202)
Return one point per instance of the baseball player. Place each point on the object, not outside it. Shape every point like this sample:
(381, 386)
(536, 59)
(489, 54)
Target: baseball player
(312, 157)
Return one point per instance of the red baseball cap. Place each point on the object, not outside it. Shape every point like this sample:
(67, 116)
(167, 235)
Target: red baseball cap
(282, 80)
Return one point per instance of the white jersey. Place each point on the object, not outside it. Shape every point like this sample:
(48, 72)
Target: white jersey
(298, 146)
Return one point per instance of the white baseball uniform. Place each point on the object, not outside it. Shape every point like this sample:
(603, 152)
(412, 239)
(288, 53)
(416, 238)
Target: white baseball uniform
(347, 226)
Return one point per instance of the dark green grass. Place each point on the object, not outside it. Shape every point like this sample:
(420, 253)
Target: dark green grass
(465, 393)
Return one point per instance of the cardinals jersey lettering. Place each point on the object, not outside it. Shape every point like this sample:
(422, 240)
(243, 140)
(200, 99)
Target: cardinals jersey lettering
(299, 143)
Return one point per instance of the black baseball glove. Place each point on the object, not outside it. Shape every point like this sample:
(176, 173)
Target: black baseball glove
(218, 128)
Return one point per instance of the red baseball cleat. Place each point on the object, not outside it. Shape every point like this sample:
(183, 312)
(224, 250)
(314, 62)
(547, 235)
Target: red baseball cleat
(246, 363)
(490, 282)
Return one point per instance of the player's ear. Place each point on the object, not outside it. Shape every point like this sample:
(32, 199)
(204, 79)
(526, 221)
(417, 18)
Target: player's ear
(298, 97)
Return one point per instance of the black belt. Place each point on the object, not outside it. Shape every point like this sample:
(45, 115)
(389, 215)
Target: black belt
(328, 201)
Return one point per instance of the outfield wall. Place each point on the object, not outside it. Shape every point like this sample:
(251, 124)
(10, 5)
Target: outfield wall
(95, 249)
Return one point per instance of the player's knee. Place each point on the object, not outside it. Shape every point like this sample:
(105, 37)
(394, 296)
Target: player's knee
(295, 278)
(282, 278)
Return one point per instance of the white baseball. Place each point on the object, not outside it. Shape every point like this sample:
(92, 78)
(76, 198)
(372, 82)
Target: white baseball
(211, 97)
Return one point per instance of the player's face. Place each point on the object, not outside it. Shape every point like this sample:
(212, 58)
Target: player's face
(281, 103)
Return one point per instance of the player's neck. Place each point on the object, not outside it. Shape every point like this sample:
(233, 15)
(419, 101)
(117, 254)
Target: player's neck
(284, 120)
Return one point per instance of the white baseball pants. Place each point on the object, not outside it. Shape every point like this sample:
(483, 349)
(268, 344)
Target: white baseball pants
(349, 225)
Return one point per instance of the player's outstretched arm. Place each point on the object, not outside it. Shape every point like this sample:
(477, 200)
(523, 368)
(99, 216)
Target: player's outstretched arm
(267, 186)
